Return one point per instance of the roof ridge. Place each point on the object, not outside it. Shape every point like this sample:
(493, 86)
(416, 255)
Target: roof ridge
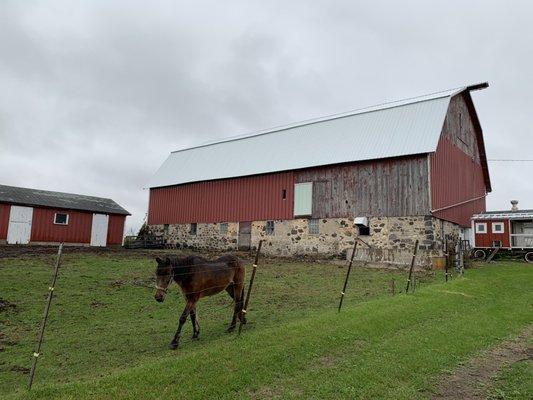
(54, 191)
(330, 117)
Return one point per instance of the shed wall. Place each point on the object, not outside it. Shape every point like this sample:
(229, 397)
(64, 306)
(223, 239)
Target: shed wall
(4, 220)
(389, 187)
(115, 229)
(486, 239)
(240, 199)
(78, 229)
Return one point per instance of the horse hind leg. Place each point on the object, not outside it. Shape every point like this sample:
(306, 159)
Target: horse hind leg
(195, 324)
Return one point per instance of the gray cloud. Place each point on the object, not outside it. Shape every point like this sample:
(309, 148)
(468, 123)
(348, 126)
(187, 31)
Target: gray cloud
(95, 95)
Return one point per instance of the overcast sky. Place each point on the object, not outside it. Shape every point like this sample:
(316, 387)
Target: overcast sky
(95, 94)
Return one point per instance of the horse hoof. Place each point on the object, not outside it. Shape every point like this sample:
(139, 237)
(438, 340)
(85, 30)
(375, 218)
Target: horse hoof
(173, 345)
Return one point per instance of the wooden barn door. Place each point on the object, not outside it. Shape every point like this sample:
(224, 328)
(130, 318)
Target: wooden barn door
(99, 230)
(245, 235)
(19, 228)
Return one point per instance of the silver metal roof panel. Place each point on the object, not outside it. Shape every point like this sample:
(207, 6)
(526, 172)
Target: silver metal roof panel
(395, 129)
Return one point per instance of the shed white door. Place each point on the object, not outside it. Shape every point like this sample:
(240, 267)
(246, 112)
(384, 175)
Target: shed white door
(19, 228)
(99, 230)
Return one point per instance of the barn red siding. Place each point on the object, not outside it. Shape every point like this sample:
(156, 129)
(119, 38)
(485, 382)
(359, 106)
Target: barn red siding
(115, 229)
(456, 177)
(4, 220)
(78, 229)
(486, 239)
(241, 199)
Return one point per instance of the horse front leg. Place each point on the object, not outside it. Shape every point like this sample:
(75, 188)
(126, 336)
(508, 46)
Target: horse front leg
(195, 324)
(183, 318)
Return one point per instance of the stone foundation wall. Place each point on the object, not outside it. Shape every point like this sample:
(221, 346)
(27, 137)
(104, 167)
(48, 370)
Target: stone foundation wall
(208, 236)
(391, 239)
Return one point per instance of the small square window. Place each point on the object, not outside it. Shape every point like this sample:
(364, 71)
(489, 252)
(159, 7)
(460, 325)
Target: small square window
(193, 229)
(481, 227)
(314, 226)
(61, 219)
(223, 228)
(269, 228)
(497, 227)
(284, 194)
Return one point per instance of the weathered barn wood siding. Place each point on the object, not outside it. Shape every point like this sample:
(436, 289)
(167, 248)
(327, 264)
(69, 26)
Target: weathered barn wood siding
(389, 187)
(456, 170)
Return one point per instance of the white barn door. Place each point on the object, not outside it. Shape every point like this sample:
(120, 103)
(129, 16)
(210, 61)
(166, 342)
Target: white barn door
(99, 230)
(19, 228)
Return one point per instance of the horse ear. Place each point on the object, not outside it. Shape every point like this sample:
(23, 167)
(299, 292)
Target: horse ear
(159, 261)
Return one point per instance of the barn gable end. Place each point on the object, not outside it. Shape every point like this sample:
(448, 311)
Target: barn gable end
(458, 171)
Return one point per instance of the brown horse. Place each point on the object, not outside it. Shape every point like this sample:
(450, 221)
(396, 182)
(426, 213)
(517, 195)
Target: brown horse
(197, 278)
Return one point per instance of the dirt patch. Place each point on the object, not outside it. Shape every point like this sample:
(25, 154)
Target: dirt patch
(265, 392)
(18, 368)
(472, 380)
(6, 305)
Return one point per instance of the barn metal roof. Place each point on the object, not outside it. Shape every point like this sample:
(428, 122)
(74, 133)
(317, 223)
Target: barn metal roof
(401, 128)
(45, 198)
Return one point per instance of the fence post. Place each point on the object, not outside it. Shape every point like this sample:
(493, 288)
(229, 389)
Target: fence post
(37, 351)
(412, 266)
(347, 275)
(247, 300)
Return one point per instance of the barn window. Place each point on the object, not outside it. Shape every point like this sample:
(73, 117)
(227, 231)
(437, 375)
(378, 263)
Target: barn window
(223, 228)
(314, 226)
(497, 227)
(165, 229)
(269, 228)
(481, 227)
(284, 194)
(193, 229)
(61, 219)
(303, 198)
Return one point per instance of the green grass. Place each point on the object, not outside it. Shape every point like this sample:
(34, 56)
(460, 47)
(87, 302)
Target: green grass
(107, 337)
(514, 383)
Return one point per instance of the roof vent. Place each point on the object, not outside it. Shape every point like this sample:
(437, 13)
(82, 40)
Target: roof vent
(514, 204)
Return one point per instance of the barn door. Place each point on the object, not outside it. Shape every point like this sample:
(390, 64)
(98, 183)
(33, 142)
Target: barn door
(19, 228)
(99, 230)
(245, 235)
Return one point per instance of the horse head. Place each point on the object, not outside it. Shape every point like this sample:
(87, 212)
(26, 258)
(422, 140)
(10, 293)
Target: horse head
(163, 278)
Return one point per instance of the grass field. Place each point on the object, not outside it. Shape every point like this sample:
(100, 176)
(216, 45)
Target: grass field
(108, 338)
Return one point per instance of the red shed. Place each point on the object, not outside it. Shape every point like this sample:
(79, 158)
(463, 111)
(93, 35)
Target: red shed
(509, 230)
(31, 216)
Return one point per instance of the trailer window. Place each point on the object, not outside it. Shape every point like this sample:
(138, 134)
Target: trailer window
(497, 227)
(481, 227)
(61, 219)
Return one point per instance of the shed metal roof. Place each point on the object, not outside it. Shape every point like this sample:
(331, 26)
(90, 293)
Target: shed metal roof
(520, 214)
(45, 198)
(401, 128)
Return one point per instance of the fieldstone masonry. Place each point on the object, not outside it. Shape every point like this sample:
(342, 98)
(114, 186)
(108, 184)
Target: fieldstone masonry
(391, 238)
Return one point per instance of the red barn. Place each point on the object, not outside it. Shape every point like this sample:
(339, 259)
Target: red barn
(407, 170)
(30, 216)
